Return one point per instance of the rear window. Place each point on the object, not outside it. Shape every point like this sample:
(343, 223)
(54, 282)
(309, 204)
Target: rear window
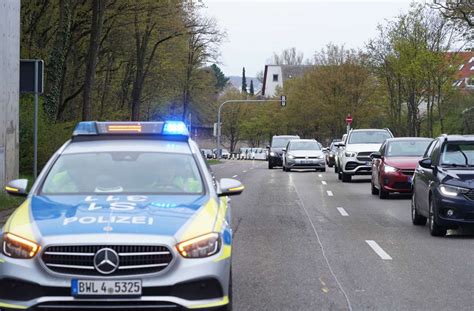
(124, 172)
(368, 137)
(407, 148)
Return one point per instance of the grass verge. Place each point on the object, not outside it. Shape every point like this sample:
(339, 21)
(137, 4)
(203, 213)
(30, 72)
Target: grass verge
(213, 161)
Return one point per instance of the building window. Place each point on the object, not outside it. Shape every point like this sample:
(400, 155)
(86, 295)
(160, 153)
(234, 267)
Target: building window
(471, 60)
(461, 67)
(275, 78)
(470, 82)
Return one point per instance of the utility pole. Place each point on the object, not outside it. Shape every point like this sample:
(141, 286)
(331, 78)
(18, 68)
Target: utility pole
(282, 102)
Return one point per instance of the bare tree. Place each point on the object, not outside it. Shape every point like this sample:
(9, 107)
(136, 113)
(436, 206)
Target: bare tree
(288, 57)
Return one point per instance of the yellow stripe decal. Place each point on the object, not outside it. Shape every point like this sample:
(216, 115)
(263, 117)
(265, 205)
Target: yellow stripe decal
(226, 253)
(7, 305)
(11, 189)
(223, 302)
(221, 216)
(203, 222)
(20, 222)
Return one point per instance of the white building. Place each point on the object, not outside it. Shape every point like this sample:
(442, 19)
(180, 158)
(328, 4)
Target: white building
(275, 76)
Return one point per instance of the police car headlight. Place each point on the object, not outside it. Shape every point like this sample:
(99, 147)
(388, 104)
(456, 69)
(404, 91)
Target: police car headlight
(200, 247)
(17, 247)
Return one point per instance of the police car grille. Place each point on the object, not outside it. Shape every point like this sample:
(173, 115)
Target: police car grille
(134, 259)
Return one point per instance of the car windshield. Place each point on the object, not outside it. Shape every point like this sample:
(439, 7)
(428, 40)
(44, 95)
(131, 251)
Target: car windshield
(407, 148)
(281, 142)
(458, 155)
(304, 145)
(368, 137)
(124, 172)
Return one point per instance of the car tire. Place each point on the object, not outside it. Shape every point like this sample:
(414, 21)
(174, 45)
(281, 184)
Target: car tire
(346, 177)
(323, 170)
(374, 191)
(283, 168)
(435, 229)
(416, 219)
(336, 170)
(339, 175)
(383, 194)
(270, 165)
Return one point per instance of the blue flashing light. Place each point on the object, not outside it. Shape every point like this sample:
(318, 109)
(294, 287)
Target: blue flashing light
(85, 128)
(175, 128)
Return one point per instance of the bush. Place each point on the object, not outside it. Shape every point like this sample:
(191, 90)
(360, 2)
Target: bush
(50, 135)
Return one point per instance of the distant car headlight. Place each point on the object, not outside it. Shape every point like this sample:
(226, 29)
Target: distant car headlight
(200, 247)
(452, 191)
(17, 247)
(389, 169)
(272, 154)
(290, 156)
(350, 154)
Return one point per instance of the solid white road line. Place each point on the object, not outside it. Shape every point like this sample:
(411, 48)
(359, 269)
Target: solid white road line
(235, 176)
(377, 249)
(330, 193)
(244, 172)
(320, 175)
(342, 211)
(324, 182)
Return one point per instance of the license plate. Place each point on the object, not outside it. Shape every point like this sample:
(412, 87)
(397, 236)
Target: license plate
(106, 288)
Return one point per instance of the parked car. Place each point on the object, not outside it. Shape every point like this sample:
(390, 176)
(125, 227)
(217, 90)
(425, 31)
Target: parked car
(303, 154)
(260, 154)
(279, 142)
(225, 154)
(207, 153)
(443, 185)
(359, 145)
(394, 164)
(243, 153)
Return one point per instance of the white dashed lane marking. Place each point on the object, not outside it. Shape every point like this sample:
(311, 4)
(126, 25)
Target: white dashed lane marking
(330, 193)
(324, 182)
(342, 211)
(235, 176)
(378, 250)
(320, 175)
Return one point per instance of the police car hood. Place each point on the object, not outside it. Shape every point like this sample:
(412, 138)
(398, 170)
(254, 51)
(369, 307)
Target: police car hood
(164, 215)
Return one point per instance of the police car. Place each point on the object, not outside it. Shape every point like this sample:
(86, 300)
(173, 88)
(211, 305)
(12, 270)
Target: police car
(124, 215)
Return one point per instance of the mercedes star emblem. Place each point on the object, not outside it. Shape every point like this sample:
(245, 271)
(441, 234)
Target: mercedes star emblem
(106, 261)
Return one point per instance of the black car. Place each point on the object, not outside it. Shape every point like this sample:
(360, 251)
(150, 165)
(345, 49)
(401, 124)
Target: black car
(331, 153)
(443, 185)
(276, 149)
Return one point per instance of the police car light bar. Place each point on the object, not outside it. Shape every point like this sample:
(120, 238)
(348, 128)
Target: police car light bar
(168, 128)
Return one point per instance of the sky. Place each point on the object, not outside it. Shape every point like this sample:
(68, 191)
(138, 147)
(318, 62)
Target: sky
(258, 28)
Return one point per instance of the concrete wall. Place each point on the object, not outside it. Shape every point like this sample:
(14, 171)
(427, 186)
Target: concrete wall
(9, 89)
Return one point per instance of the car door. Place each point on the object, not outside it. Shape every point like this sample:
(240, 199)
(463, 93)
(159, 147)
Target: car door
(423, 178)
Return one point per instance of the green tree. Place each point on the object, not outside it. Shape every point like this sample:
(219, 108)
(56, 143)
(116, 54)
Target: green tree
(221, 80)
(252, 91)
(244, 81)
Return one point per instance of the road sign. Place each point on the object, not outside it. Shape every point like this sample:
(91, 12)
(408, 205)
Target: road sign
(283, 100)
(349, 119)
(28, 76)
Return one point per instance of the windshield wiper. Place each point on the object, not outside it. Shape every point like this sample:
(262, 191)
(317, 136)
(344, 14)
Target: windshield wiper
(456, 165)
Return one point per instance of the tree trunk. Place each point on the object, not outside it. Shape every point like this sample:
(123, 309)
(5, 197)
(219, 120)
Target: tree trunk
(98, 8)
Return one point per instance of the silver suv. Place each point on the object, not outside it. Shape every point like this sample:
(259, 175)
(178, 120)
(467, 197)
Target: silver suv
(358, 146)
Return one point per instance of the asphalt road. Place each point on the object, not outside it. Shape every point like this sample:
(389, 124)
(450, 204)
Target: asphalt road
(306, 241)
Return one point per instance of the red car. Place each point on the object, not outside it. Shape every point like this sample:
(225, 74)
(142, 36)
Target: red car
(394, 165)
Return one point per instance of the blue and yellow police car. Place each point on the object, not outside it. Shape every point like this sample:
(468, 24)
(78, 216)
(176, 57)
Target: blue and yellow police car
(125, 215)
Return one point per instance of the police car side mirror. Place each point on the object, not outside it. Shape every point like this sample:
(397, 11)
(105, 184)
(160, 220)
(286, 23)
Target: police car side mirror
(230, 187)
(17, 187)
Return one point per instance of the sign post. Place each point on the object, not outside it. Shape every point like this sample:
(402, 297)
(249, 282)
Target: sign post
(31, 81)
(348, 122)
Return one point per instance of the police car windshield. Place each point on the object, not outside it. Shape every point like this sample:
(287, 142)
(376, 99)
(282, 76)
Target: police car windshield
(124, 172)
